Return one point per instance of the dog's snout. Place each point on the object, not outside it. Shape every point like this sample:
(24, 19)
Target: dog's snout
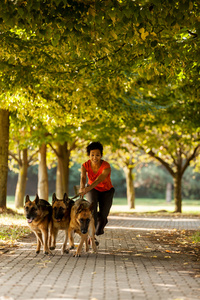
(84, 231)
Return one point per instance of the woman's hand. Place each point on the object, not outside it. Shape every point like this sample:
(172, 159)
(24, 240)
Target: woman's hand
(83, 191)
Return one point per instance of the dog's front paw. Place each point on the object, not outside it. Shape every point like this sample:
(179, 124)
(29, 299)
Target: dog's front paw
(66, 251)
(72, 247)
(52, 248)
(76, 255)
(37, 251)
(47, 252)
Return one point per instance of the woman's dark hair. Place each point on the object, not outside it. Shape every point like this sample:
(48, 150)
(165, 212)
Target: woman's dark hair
(94, 146)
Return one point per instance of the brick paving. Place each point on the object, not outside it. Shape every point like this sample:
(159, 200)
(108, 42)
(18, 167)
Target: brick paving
(130, 264)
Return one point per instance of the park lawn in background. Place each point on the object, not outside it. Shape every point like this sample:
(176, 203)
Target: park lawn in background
(155, 205)
(141, 205)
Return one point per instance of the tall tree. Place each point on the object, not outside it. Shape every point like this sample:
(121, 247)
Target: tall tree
(63, 152)
(43, 187)
(23, 161)
(4, 142)
(173, 148)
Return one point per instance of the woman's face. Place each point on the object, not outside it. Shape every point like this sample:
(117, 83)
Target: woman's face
(95, 156)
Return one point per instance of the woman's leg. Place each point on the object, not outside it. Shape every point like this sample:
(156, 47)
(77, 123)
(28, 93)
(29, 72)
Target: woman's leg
(105, 203)
(93, 197)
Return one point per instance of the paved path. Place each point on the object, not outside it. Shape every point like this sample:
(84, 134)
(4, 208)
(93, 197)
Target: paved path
(131, 263)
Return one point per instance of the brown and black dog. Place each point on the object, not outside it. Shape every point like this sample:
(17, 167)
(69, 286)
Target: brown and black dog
(60, 219)
(82, 222)
(38, 214)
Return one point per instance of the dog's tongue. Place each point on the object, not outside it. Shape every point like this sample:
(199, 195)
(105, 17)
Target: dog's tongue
(58, 220)
(30, 221)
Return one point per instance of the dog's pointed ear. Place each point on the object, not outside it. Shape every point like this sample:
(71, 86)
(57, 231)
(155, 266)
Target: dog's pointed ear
(27, 198)
(91, 207)
(36, 199)
(54, 198)
(71, 202)
(80, 208)
(65, 198)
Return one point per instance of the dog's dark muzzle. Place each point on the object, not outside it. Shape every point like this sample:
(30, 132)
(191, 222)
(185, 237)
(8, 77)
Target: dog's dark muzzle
(84, 231)
(30, 216)
(58, 214)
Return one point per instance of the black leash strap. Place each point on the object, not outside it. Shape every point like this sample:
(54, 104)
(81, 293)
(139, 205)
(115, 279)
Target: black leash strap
(76, 196)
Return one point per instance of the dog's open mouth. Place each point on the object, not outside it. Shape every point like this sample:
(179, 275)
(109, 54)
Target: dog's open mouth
(58, 220)
(30, 220)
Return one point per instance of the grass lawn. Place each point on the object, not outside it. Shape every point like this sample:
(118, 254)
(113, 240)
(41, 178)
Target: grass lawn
(141, 205)
(155, 205)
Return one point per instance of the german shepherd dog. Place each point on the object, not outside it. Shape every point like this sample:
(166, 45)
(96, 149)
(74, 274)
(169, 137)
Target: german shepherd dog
(38, 214)
(60, 218)
(82, 222)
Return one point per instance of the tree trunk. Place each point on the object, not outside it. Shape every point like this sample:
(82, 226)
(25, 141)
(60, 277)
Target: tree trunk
(130, 187)
(168, 192)
(62, 174)
(22, 179)
(4, 142)
(43, 188)
(177, 193)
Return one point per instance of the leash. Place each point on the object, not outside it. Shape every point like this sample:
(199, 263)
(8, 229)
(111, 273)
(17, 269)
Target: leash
(76, 196)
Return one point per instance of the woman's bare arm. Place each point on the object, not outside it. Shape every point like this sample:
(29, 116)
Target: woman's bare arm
(99, 179)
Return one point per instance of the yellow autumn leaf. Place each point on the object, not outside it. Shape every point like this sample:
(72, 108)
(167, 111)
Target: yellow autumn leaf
(191, 5)
(113, 34)
(143, 33)
(106, 50)
(92, 11)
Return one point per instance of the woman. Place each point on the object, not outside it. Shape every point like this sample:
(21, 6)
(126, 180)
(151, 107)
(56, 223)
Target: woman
(99, 189)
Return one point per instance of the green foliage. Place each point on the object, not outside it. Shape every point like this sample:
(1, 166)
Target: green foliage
(12, 232)
(78, 55)
(196, 237)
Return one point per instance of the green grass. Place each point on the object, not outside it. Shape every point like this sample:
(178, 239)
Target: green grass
(141, 205)
(196, 237)
(13, 226)
(155, 205)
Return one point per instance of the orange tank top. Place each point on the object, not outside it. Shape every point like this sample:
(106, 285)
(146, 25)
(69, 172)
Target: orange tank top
(103, 186)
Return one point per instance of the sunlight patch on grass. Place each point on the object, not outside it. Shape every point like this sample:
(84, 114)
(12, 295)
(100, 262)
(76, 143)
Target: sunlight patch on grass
(196, 237)
(154, 205)
(12, 232)
(13, 226)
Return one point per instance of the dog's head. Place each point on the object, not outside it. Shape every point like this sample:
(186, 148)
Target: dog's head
(31, 209)
(36, 209)
(84, 216)
(61, 207)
